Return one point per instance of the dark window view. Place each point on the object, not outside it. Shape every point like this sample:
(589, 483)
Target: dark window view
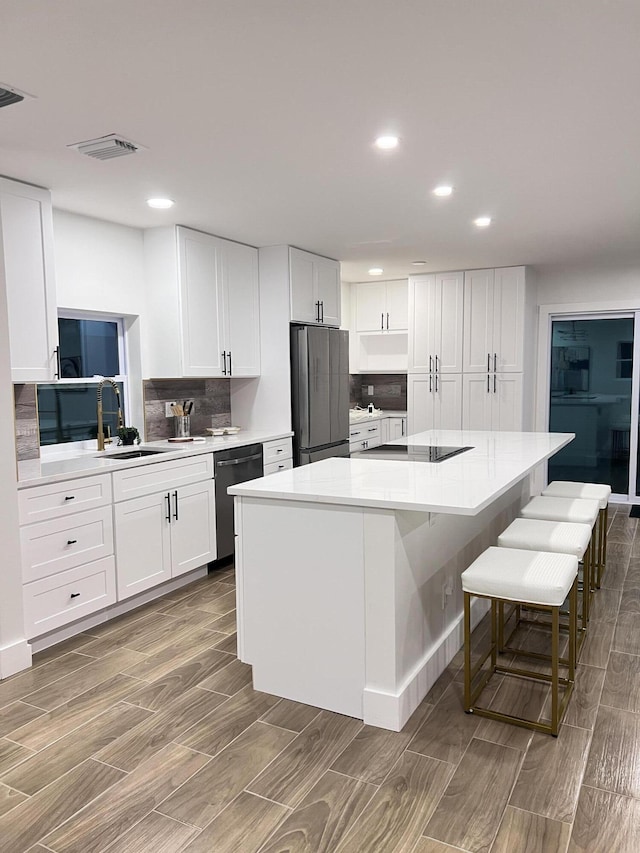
(68, 411)
(88, 348)
(591, 369)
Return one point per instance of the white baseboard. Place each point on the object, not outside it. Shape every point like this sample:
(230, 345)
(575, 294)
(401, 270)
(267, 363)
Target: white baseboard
(392, 710)
(14, 658)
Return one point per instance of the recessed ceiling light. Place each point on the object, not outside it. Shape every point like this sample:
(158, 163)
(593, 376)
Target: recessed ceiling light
(418, 263)
(482, 221)
(443, 191)
(160, 203)
(376, 271)
(386, 143)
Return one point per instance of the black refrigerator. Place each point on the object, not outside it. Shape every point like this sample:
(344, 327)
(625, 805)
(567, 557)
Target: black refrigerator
(319, 393)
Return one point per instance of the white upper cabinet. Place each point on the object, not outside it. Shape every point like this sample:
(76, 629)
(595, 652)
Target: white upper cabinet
(494, 320)
(382, 306)
(202, 307)
(314, 288)
(436, 324)
(26, 229)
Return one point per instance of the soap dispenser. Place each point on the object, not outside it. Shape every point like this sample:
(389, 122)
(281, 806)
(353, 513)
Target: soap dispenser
(370, 408)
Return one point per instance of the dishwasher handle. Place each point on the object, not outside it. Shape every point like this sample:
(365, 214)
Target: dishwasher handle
(239, 461)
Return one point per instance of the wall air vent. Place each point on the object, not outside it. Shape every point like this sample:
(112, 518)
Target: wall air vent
(9, 95)
(107, 147)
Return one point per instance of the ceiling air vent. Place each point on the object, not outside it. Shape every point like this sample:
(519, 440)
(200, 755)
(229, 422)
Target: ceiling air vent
(9, 95)
(107, 147)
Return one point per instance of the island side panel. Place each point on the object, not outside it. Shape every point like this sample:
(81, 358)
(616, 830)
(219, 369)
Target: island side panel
(410, 636)
(300, 576)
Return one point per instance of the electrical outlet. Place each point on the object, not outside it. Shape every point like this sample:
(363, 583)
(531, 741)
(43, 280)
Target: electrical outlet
(167, 410)
(370, 390)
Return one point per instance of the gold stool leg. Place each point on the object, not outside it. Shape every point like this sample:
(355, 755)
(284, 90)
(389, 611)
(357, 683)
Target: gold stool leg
(555, 646)
(467, 652)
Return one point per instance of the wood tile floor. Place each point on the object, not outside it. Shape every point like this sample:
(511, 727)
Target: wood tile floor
(146, 735)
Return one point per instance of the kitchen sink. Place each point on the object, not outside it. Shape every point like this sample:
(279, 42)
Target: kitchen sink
(131, 454)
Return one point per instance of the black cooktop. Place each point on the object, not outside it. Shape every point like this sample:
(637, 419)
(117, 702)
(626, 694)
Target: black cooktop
(411, 452)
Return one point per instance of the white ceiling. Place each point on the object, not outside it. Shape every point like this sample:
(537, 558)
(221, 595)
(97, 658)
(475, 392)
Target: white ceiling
(259, 118)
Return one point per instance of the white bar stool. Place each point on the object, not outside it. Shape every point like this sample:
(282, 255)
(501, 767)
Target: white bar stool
(523, 577)
(571, 510)
(590, 491)
(561, 537)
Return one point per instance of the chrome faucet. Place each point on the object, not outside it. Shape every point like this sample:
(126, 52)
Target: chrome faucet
(101, 438)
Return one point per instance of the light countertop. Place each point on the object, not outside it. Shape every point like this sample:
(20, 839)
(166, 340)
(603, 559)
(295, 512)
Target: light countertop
(378, 415)
(462, 485)
(52, 469)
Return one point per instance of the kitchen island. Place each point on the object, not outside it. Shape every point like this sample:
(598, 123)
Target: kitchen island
(348, 570)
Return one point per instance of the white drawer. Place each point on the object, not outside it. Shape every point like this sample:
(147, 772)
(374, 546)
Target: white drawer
(364, 431)
(59, 499)
(274, 467)
(62, 543)
(67, 596)
(142, 480)
(276, 450)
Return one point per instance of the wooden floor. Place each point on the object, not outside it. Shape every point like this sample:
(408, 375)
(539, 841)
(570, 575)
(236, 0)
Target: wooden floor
(147, 736)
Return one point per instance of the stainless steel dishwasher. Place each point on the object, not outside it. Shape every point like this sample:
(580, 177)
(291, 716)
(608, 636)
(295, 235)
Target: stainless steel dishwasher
(236, 465)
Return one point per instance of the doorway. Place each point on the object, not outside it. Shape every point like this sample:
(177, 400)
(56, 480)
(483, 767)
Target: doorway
(593, 393)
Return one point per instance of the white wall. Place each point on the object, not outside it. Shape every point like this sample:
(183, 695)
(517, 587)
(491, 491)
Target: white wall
(589, 284)
(99, 265)
(15, 653)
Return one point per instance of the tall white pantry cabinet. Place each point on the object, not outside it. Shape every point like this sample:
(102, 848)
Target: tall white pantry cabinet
(471, 344)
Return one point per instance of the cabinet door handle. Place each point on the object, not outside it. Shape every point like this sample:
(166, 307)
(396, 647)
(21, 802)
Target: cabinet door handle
(71, 541)
(494, 383)
(70, 498)
(495, 358)
(430, 364)
(74, 595)
(167, 497)
(488, 380)
(175, 514)
(436, 383)
(56, 374)
(488, 362)
(436, 364)
(402, 425)
(229, 362)
(387, 321)
(430, 382)
(224, 363)
(322, 309)
(382, 321)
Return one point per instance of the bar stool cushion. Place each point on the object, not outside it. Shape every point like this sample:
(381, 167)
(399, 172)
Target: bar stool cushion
(541, 535)
(592, 491)
(529, 577)
(576, 510)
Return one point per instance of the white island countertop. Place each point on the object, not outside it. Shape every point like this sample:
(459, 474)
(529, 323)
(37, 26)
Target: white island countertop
(462, 485)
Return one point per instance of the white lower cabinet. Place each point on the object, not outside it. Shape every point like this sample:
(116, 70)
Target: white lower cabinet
(364, 436)
(434, 401)
(493, 401)
(68, 567)
(163, 534)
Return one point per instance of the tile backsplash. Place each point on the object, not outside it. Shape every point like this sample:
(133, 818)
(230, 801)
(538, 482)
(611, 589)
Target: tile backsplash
(389, 390)
(211, 407)
(211, 404)
(26, 415)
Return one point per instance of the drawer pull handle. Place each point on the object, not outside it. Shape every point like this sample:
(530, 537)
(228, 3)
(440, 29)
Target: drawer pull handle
(373, 429)
(71, 541)
(280, 466)
(279, 450)
(70, 498)
(74, 594)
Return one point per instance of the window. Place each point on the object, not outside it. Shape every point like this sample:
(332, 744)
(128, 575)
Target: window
(90, 347)
(624, 360)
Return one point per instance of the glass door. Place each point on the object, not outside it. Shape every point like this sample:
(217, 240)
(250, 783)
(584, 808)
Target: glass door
(591, 390)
